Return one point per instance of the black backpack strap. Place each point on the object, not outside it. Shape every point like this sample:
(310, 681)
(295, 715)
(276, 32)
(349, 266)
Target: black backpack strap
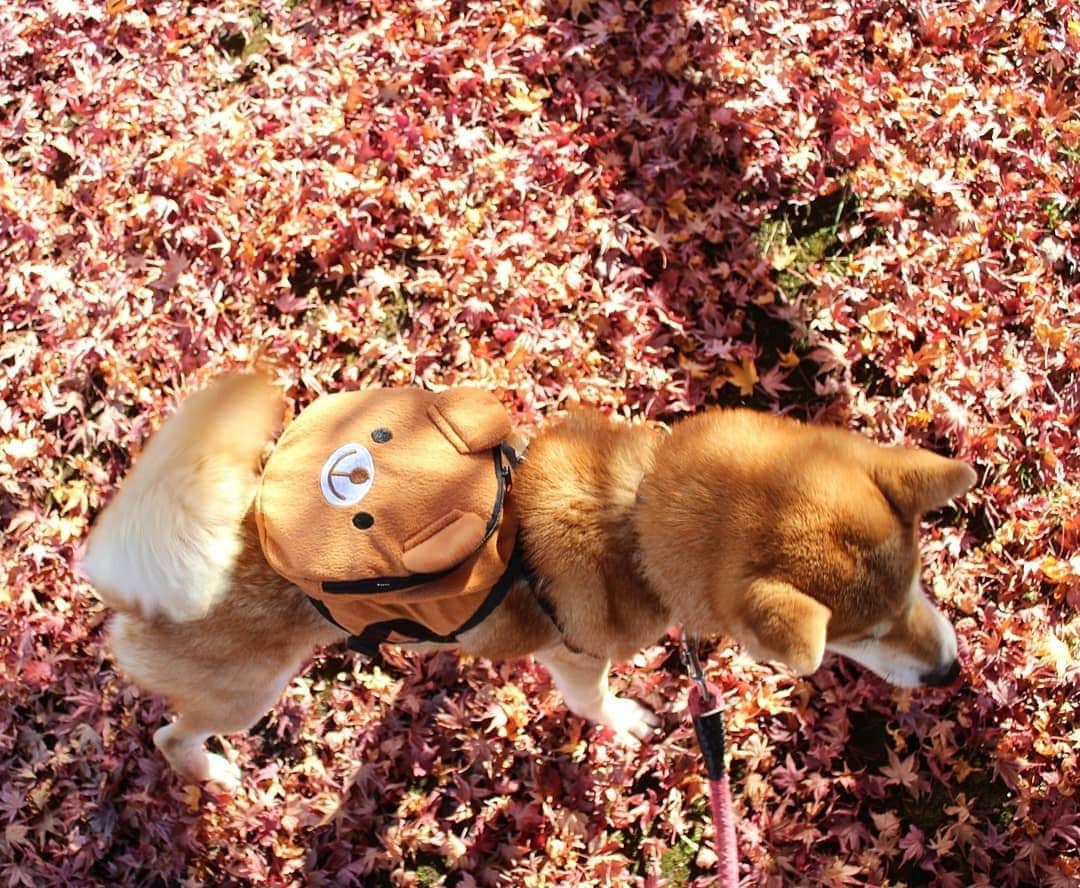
(368, 641)
(514, 570)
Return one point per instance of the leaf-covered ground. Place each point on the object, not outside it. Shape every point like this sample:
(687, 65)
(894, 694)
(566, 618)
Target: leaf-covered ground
(861, 213)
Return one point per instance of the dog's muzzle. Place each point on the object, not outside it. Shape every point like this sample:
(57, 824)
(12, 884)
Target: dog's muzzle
(939, 678)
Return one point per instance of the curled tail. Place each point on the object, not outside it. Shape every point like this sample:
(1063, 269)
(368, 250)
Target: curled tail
(166, 544)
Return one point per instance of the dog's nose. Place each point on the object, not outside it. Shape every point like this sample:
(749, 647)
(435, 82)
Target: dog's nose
(941, 677)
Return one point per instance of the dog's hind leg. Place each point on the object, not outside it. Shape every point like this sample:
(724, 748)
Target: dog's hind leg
(583, 681)
(213, 688)
(182, 741)
(183, 749)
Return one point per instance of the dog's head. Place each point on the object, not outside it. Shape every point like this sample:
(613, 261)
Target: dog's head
(805, 540)
(852, 582)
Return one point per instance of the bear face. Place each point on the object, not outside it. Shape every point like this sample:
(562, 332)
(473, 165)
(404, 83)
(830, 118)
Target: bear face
(382, 483)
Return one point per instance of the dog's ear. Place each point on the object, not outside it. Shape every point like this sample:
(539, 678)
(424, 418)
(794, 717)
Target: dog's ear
(472, 419)
(915, 481)
(784, 624)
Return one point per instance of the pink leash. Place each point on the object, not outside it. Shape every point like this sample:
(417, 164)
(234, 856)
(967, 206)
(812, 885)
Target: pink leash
(708, 713)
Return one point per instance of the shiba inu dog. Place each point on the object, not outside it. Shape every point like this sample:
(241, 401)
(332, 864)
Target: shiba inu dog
(788, 538)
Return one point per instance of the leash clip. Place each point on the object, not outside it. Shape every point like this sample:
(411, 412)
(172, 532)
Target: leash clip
(689, 653)
(706, 709)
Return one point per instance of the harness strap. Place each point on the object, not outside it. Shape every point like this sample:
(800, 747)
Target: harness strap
(552, 613)
(707, 710)
(368, 641)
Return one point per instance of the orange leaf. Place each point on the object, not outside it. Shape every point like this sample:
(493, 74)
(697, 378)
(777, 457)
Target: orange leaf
(879, 320)
(676, 204)
(528, 102)
(744, 375)
(355, 96)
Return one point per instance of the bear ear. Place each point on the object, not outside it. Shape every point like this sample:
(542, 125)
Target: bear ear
(472, 419)
(782, 623)
(915, 481)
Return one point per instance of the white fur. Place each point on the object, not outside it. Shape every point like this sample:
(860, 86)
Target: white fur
(894, 664)
(583, 682)
(188, 757)
(166, 544)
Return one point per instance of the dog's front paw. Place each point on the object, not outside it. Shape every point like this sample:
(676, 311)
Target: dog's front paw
(631, 721)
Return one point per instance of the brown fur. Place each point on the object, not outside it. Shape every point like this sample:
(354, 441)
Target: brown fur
(742, 498)
(576, 495)
(264, 626)
(783, 536)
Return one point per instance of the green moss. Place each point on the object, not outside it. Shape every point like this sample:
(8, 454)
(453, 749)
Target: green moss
(677, 862)
(397, 313)
(1028, 476)
(811, 234)
(257, 43)
(424, 786)
(1059, 211)
(427, 875)
(242, 45)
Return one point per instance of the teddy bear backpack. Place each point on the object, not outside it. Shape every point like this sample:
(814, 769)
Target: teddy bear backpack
(390, 508)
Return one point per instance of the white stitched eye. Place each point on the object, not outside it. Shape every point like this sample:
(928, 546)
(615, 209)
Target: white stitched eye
(347, 475)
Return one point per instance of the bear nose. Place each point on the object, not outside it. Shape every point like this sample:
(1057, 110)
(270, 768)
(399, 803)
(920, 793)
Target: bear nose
(941, 677)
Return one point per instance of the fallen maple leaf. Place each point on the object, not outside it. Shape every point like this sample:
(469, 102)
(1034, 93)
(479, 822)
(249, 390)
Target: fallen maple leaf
(743, 375)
